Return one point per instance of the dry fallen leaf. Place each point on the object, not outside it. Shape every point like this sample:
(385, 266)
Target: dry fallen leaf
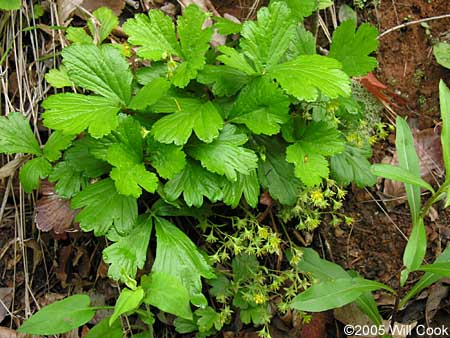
(6, 296)
(9, 168)
(52, 212)
(68, 7)
(438, 292)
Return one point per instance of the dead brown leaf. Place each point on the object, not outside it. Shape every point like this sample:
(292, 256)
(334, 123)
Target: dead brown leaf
(8, 333)
(68, 7)
(52, 212)
(436, 294)
(9, 168)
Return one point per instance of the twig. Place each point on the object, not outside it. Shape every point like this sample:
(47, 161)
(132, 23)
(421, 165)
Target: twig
(132, 3)
(413, 23)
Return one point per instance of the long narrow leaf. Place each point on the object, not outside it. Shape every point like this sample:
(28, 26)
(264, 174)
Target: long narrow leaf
(408, 159)
(444, 97)
(427, 279)
(416, 247)
(441, 269)
(334, 293)
(401, 175)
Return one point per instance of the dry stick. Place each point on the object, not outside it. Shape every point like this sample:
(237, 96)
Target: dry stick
(413, 23)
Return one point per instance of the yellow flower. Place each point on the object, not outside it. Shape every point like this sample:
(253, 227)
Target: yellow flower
(263, 233)
(317, 196)
(259, 298)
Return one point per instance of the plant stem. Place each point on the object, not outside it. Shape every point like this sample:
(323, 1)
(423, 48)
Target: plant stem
(434, 198)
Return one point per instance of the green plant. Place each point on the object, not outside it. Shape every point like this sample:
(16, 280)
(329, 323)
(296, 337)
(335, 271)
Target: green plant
(186, 127)
(336, 287)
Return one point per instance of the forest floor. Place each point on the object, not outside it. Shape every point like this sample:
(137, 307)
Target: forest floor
(37, 267)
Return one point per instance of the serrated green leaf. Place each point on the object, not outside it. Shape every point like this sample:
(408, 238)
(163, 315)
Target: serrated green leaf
(194, 41)
(226, 26)
(80, 157)
(194, 182)
(59, 317)
(78, 35)
(149, 94)
(58, 78)
(102, 329)
(310, 166)
(244, 267)
(225, 155)
(155, 34)
(167, 159)
(302, 43)
(69, 180)
(266, 40)
(167, 293)
(102, 70)
(32, 172)
(10, 4)
(176, 255)
(55, 144)
(103, 24)
(262, 107)
(200, 117)
(332, 294)
(232, 58)
(16, 135)
(352, 165)
(306, 75)
(129, 253)
(104, 207)
(72, 113)
(224, 80)
(301, 8)
(276, 174)
(245, 184)
(128, 301)
(441, 52)
(145, 75)
(352, 47)
(207, 319)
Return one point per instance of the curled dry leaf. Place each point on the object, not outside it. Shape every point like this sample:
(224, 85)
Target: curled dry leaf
(438, 292)
(52, 212)
(429, 150)
(68, 7)
(9, 168)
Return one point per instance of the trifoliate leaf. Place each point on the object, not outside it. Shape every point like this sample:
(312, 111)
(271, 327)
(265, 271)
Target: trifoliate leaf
(231, 57)
(302, 8)
(353, 166)
(129, 300)
(227, 27)
(245, 184)
(194, 182)
(351, 47)
(176, 255)
(303, 43)
(224, 80)
(103, 23)
(441, 52)
(310, 166)
(100, 69)
(266, 40)
(167, 159)
(262, 107)
(55, 144)
(129, 177)
(129, 253)
(145, 75)
(58, 78)
(200, 117)
(72, 113)
(78, 35)
(306, 75)
(31, 173)
(225, 155)
(167, 293)
(207, 319)
(149, 94)
(155, 34)
(69, 181)
(16, 135)
(275, 174)
(194, 42)
(129, 172)
(104, 207)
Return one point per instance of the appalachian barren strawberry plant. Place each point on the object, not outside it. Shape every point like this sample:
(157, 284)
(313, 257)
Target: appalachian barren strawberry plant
(181, 127)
